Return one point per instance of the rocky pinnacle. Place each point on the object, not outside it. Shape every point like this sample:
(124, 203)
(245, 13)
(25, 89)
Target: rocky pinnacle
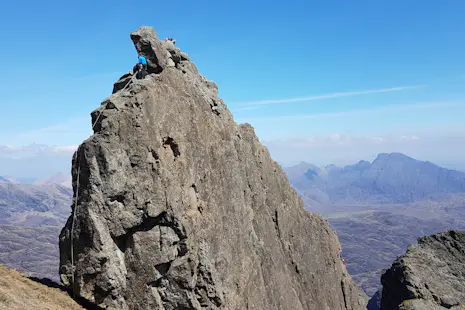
(179, 207)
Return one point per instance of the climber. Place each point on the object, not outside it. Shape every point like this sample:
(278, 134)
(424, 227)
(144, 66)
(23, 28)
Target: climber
(142, 61)
(343, 261)
(171, 40)
(141, 68)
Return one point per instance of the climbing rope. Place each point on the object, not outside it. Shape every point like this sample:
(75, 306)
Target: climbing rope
(74, 220)
(76, 206)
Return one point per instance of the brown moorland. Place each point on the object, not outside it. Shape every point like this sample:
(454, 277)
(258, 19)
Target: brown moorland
(17, 292)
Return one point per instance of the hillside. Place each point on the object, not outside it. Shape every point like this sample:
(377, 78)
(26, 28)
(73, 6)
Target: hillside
(20, 293)
(57, 179)
(23, 203)
(180, 207)
(30, 221)
(372, 239)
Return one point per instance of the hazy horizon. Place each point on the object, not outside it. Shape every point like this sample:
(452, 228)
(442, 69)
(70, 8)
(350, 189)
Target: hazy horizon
(36, 161)
(330, 83)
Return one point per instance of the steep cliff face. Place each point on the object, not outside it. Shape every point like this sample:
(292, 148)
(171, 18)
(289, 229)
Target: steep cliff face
(431, 275)
(178, 207)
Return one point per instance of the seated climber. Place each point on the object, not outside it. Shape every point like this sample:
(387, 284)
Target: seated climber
(171, 40)
(142, 61)
(141, 68)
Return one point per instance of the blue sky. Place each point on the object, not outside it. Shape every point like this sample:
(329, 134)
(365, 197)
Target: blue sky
(298, 71)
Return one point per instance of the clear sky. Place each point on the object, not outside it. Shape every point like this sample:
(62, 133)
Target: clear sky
(321, 81)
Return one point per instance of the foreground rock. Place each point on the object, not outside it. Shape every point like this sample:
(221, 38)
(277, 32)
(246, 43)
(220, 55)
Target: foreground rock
(431, 275)
(181, 208)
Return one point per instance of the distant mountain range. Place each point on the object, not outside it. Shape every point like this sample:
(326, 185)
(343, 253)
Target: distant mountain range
(31, 218)
(390, 178)
(56, 179)
(379, 208)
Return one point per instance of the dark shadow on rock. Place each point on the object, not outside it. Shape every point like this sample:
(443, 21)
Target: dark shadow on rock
(81, 301)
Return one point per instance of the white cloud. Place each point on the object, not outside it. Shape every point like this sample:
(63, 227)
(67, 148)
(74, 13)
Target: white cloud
(68, 149)
(34, 150)
(409, 138)
(35, 161)
(330, 96)
(377, 140)
(376, 110)
(71, 131)
(60, 127)
(335, 137)
(247, 108)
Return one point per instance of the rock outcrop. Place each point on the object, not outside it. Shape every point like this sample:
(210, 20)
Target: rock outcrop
(431, 275)
(179, 207)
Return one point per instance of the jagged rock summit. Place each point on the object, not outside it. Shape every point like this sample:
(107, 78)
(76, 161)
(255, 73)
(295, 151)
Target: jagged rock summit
(179, 207)
(430, 276)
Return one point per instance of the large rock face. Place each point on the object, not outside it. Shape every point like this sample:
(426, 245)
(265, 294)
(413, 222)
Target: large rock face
(178, 207)
(431, 275)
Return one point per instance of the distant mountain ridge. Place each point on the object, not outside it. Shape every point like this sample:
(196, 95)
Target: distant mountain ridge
(390, 178)
(24, 198)
(378, 207)
(31, 218)
(4, 180)
(57, 179)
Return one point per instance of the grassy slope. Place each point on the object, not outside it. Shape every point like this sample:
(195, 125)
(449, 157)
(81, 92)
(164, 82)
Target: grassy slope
(20, 293)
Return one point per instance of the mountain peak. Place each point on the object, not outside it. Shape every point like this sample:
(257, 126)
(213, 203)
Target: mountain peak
(4, 180)
(392, 156)
(391, 178)
(57, 179)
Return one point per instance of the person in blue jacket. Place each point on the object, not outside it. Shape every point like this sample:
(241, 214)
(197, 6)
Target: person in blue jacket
(143, 62)
(141, 67)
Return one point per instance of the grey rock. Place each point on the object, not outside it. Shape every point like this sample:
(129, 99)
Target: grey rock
(148, 45)
(431, 275)
(122, 82)
(179, 207)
